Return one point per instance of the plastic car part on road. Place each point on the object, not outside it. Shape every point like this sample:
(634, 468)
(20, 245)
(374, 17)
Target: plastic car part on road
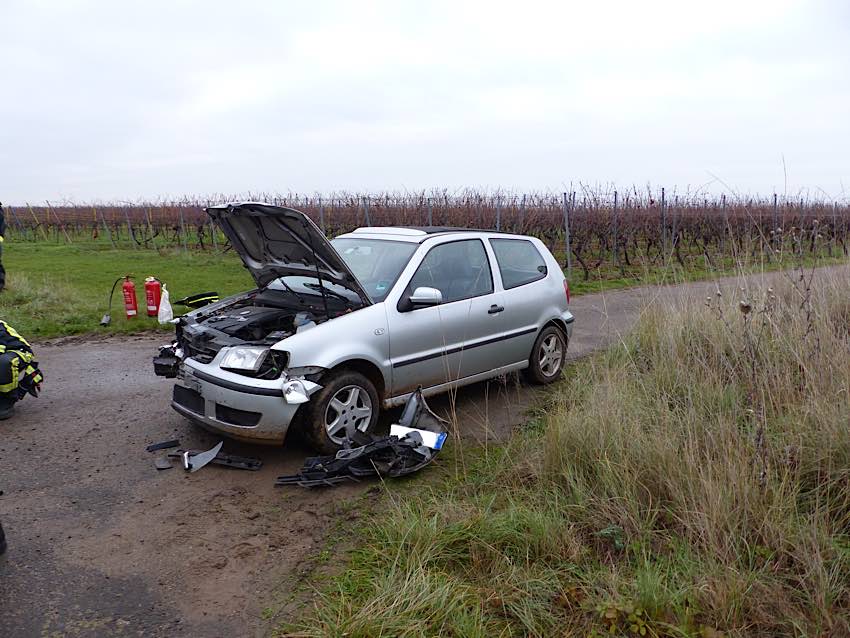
(366, 455)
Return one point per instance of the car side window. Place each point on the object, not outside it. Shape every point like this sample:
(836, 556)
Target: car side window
(519, 262)
(458, 269)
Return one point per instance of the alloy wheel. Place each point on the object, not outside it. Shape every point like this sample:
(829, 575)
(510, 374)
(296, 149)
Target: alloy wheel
(550, 355)
(348, 410)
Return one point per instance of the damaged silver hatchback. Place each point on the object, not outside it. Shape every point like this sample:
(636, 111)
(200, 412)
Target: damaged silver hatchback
(337, 330)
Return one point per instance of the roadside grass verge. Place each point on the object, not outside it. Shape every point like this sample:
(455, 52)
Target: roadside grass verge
(62, 289)
(692, 481)
(56, 289)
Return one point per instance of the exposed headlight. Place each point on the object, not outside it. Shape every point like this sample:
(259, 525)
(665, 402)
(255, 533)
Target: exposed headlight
(244, 358)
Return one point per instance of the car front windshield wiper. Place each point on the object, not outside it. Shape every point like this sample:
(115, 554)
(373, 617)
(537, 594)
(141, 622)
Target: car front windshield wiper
(289, 289)
(327, 291)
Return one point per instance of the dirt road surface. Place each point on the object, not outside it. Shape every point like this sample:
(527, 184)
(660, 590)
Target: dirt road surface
(103, 544)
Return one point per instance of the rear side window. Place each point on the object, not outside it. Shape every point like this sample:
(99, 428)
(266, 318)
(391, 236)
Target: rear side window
(519, 262)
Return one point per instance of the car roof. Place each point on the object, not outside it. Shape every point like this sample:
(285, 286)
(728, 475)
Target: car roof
(416, 234)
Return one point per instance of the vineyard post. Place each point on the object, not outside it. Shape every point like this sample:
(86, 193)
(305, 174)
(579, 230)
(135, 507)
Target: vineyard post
(834, 229)
(567, 235)
(58, 223)
(366, 210)
(37, 223)
(105, 226)
(130, 228)
(726, 229)
(17, 222)
(150, 226)
(614, 222)
(430, 213)
(522, 214)
(773, 234)
(498, 212)
(674, 230)
(663, 226)
(183, 230)
(321, 215)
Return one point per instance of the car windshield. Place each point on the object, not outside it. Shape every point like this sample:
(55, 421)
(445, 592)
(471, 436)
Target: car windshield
(376, 263)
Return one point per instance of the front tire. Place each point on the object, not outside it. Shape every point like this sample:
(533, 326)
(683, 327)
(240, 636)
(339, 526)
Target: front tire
(348, 401)
(546, 362)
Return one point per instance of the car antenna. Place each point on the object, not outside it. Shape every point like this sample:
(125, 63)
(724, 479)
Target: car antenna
(318, 270)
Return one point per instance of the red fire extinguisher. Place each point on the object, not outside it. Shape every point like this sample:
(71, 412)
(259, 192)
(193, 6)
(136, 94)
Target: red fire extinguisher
(153, 293)
(131, 306)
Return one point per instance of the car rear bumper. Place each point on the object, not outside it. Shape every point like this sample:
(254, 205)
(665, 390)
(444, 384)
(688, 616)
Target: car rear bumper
(239, 407)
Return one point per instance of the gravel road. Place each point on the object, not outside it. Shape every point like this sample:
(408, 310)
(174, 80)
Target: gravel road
(103, 544)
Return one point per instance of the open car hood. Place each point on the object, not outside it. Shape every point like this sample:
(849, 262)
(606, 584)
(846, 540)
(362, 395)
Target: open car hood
(279, 242)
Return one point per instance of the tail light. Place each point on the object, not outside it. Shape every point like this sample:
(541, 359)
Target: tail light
(567, 290)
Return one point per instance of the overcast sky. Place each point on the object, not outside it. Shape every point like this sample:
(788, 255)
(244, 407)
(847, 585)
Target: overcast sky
(113, 100)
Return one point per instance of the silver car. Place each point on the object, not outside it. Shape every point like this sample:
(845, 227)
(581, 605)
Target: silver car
(337, 330)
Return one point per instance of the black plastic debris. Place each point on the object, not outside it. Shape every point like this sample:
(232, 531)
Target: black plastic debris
(166, 364)
(404, 452)
(228, 460)
(162, 445)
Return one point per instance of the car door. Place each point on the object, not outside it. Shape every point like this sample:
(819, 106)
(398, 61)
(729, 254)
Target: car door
(427, 343)
(523, 272)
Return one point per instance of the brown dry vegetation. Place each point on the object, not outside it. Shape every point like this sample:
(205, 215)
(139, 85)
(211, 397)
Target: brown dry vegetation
(691, 481)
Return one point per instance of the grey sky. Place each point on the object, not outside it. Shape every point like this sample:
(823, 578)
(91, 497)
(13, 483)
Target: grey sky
(112, 100)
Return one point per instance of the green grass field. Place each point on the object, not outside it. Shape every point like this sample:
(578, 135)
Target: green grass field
(58, 289)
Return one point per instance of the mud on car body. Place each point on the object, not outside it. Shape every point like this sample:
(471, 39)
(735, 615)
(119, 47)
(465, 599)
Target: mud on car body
(337, 330)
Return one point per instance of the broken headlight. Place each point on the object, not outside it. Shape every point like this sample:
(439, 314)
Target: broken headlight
(244, 358)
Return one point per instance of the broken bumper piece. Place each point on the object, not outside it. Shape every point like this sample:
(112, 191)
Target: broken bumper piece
(412, 445)
(227, 460)
(166, 363)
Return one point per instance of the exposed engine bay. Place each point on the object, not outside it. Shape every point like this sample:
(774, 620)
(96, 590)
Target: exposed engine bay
(259, 317)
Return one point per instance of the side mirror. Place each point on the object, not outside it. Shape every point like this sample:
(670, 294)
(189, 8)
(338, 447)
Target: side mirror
(423, 297)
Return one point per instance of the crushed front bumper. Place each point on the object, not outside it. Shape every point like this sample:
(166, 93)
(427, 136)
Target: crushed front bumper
(252, 410)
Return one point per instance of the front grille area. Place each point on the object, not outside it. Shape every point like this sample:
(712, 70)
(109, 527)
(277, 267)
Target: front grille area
(236, 417)
(189, 399)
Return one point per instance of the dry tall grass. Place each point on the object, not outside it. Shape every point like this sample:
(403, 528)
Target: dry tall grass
(725, 438)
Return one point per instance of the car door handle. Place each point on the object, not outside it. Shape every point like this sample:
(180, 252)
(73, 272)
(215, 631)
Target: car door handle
(494, 309)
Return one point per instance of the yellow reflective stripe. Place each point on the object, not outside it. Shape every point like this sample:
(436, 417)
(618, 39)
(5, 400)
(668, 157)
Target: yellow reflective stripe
(14, 333)
(26, 356)
(8, 387)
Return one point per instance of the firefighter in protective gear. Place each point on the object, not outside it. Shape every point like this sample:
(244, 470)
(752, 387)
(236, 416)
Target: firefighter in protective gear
(19, 373)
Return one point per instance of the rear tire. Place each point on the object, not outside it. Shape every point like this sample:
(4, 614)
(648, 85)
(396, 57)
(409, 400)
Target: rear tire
(546, 362)
(348, 401)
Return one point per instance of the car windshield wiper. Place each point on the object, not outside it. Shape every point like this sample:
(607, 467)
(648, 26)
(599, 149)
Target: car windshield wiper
(289, 289)
(331, 293)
